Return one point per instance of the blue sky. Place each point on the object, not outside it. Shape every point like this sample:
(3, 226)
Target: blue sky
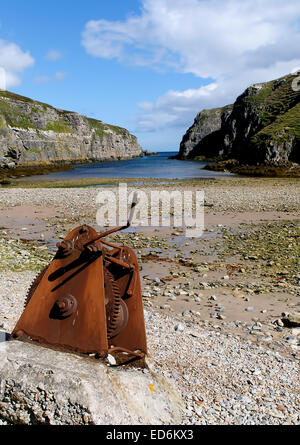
(147, 65)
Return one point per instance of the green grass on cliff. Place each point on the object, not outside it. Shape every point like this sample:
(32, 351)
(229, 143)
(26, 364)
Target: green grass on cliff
(15, 117)
(285, 126)
(10, 95)
(274, 98)
(2, 124)
(58, 126)
(99, 128)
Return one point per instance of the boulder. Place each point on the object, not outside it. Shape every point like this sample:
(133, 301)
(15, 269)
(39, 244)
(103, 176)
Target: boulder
(40, 385)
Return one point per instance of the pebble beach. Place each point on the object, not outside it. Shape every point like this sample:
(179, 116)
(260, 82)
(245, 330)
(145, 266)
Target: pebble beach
(216, 307)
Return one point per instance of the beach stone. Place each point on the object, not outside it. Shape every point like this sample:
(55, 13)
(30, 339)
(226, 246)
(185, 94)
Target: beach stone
(4, 336)
(292, 340)
(179, 327)
(265, 339)
(43, 386)
(292, 319)
(111, 359)
(255, 332)
(172, 298)
(256, 328)
(221, 317)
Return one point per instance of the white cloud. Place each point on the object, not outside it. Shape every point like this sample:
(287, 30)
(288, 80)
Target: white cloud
(53, 55)
(235, 43)
(13, 61)
(58, 77)
(173, 108)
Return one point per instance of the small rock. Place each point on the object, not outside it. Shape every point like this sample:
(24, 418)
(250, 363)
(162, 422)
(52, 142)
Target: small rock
(249, 309)
(256, 328)
(85, 419)
(292, 319)
(280, 407)
(292, 340)
(265, 339)
(221, 317)
(179, 327)
(172, 298)
(111, 359)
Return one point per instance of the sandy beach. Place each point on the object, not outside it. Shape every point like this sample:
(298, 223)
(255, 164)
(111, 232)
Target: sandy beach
(213, 304)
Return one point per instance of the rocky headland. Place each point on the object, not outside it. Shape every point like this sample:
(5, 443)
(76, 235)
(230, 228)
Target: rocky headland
(258, 134)
(34, 134)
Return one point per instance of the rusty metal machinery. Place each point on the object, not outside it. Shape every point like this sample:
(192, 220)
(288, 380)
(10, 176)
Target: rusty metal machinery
(88, 299)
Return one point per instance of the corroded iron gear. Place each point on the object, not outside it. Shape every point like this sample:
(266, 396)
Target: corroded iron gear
(88, 299)
(34, 285)
(116, 309)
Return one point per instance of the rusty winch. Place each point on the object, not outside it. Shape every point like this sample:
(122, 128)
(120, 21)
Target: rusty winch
(88, 299)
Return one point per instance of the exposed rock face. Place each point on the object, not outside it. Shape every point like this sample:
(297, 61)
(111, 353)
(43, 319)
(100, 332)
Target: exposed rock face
(32, 132)
(42, 386)
(197, 141)
(262, 127)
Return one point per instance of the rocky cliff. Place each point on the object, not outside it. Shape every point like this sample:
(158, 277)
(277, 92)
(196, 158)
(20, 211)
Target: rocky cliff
(203, 138)
(33, 133)
(261, 127)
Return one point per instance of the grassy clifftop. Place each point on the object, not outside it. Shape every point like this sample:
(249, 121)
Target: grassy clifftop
(34, 133)
(23, 112)
(273, 98)
(284, 129)
(262, 128)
